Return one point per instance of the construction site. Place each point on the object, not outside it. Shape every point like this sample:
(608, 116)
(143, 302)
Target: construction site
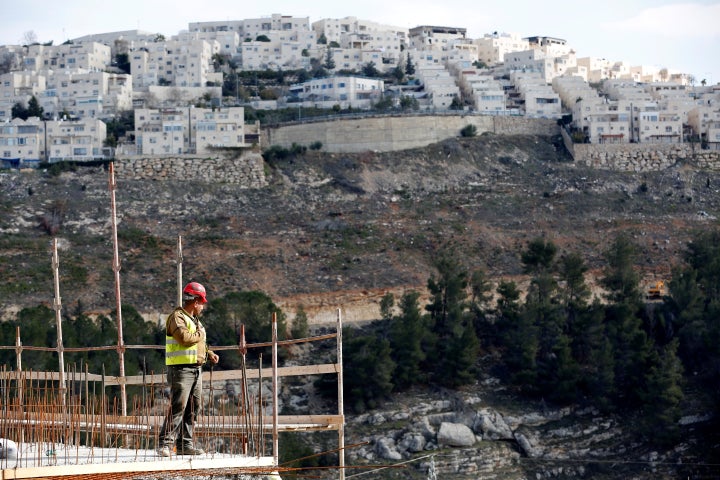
(71, 423)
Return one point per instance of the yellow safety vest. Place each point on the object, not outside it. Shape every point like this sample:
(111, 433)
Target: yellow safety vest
(176, 354)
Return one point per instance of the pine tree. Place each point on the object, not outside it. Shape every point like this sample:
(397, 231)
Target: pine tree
(449, 318)
(406, 335)
(368, 358)
(662, 396)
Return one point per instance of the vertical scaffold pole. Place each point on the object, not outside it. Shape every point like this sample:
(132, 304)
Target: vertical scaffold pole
(276, 449)
(118, 303)
(57, 306)
(341, 407)
(179, 271)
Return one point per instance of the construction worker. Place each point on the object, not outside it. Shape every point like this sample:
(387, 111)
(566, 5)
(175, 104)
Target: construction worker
(185, 353)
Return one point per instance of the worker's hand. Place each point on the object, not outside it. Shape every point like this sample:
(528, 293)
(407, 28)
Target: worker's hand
(213, 357)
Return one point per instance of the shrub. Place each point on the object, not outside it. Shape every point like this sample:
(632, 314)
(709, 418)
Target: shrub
(468, 131)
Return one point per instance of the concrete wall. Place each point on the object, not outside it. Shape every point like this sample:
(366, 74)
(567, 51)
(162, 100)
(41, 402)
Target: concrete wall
(390, 133)
(245, 169)
(639, 157)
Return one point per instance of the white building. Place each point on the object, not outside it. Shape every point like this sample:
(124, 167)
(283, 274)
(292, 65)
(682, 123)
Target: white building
(438, 83)
(705, 121)
(87, 94)
(119, 42)
(28, 142)
(19, 87)
(493, 47)
(537, 98)
(346, 91)
(90, 56)
(174, 63)
(275, 42)
(353, 34)
(177, 131)
(429, 37)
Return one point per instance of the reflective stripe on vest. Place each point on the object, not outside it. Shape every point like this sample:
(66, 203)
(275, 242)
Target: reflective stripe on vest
(176, 354)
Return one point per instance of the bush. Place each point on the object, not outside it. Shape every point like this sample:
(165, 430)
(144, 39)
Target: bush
(468, 131)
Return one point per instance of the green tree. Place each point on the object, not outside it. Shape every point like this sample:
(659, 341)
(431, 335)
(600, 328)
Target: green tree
(370, 70)
(253, 309)
(406, 334)
(368, 358)
(620, 278)
(122, 61)
(409, 66)
(387, 303)
(300, 323)
(625, 331)
(329, 61)
(408, 102)
(662, 396)
(457, 345)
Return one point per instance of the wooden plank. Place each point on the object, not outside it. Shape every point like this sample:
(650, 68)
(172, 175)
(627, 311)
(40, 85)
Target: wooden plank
(299, 370)
(142, 423)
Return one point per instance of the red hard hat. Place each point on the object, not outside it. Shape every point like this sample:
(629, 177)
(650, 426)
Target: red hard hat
(196, 290)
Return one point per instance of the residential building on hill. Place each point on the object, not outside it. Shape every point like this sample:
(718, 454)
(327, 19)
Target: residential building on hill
(346, 91)
(175, 131)
(29, 142)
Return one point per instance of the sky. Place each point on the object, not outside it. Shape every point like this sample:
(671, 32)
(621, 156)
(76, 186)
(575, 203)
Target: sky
(682, 36)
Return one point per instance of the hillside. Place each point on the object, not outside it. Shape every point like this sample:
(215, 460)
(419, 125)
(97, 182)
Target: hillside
(335, 230)
(337, 227)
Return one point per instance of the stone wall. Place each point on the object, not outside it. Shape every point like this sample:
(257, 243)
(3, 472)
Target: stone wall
(639, 157)
(244, 168)
(391, 133)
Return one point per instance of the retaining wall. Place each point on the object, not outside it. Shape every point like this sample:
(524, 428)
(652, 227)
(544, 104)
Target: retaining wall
(245, 169)
(391, 133)
(641, 157)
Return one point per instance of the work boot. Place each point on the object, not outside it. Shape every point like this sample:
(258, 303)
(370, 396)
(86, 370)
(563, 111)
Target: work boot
(190, 450)
(164, 451)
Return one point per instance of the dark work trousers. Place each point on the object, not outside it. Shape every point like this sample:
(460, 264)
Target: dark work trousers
(185, 399)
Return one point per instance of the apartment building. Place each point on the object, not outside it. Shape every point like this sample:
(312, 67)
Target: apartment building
(573, 88)
(176, 131)
(182, 64)
(487, 93)
(593, 69)
(354, 34)
(491, 48)
(19, 87)
(439, 85)
(278, 50)
(538, 60)
(87, 94)
(536, 97)
(346, 91)
(705, 121)
(429, 37)
(227, 41)
(658, 127)
(11, 57)
(123, 41)
(91, 56)
(29, 142)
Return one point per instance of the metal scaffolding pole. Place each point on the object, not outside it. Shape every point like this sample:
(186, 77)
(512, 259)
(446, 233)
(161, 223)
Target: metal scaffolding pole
(57, 306)
(118, 304)
(341, 407)
(179, 271)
